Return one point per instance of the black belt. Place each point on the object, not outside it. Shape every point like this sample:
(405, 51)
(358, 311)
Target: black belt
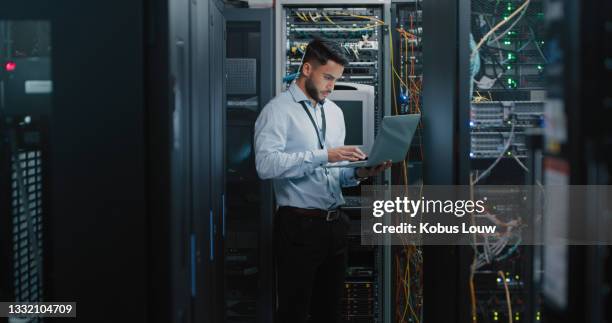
(328, 215)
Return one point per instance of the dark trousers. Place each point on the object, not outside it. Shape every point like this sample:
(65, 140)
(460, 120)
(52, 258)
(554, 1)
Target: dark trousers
(311, 256)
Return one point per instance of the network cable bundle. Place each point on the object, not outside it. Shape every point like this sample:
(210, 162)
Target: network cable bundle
(408, 71)
(502, 269)
(358, 30)
(407, 81)
(508, 75)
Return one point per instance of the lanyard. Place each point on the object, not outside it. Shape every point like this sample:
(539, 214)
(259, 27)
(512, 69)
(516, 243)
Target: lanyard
(321, 142)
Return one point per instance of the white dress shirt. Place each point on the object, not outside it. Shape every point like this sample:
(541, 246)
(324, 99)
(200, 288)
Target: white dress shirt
(287, 151)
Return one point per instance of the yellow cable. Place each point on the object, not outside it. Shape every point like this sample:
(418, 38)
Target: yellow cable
(349, 29)
(399, 77)
(368, 18)
(392, 78)
(501, 23)
(501, 273)
(311, 17)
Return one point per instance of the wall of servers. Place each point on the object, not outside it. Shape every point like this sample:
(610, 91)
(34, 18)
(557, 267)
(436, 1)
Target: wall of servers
(508, 101)
(220, 263)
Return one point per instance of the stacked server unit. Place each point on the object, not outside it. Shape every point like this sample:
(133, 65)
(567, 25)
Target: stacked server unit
(508, 73)
(510, 84)
(503, 269)
(509, 87)
(359, 31)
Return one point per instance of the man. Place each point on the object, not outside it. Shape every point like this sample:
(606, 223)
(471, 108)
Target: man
(296, 133)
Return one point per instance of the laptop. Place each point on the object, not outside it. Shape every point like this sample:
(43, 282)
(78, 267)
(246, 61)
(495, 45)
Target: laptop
(392, 142)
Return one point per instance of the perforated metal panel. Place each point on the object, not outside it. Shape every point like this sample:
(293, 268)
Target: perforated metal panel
(27, 278)
(241, 76)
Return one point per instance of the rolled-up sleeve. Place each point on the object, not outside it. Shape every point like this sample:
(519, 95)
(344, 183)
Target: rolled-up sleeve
(270, 140)
(348, 177)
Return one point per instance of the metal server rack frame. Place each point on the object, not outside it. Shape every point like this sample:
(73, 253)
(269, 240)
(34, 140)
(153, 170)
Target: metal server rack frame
(514, 99)
(280, 32)
(266, 296)
(580, 79)
(402, 13)
(446, 147)
(26, 143)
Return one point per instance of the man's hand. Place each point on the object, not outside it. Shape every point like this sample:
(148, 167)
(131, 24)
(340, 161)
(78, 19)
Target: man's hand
(350, 153)
(372, 171)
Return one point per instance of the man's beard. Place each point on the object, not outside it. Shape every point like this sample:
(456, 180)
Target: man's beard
(312, 90)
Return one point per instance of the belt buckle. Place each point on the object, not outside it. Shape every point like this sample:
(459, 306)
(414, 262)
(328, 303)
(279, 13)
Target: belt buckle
(332, 215)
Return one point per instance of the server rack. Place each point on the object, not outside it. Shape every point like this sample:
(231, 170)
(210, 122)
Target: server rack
(24, 112)
(372, 278)
(248, 211)
(407, 261)
(197, 38)
(507, 104)
(446, 146)
(183, 265)
(107, 162)
(578, 150)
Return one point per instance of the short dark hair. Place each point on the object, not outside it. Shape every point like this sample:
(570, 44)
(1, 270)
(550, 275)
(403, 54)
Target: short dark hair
(321, 50)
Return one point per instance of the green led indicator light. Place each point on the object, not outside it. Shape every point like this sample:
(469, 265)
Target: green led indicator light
(512, 83)
(509, 67)
(507, 42)
(540, 67)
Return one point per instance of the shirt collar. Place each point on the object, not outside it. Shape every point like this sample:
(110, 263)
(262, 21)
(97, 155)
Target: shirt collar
(298, 94)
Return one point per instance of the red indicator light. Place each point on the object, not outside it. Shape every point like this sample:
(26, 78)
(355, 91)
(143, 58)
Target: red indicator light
(10, 66)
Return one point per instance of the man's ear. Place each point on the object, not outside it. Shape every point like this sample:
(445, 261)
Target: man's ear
(307, 69)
